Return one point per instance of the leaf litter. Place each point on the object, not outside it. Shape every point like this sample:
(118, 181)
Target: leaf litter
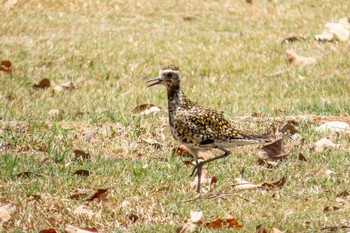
(273, 152)
(245, 185)
(298, 61)
(6, 66)
(195, 221)
(145, 109)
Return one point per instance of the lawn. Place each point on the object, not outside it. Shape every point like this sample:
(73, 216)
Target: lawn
(98, 56)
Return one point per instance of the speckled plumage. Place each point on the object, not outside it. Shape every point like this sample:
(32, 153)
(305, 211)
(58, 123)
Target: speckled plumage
(196, 126)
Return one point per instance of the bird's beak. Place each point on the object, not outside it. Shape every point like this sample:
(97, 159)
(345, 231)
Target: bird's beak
(156, 81)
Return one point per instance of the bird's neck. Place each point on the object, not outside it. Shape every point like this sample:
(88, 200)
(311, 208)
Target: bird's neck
(176, 98)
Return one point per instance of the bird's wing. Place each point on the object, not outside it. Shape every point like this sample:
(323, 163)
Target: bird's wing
(207, 124)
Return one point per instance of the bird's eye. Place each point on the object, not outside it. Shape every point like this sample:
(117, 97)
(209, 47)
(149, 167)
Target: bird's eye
(169, 75)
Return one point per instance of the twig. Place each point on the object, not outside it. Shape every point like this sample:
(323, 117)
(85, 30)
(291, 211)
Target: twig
(214, 195)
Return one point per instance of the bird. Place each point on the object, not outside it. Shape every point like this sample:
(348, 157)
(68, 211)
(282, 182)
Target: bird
(198, 127)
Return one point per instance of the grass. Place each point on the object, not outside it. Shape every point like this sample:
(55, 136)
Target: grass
(108, 49)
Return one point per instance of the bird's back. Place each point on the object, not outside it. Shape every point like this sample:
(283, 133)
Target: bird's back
(203, 127)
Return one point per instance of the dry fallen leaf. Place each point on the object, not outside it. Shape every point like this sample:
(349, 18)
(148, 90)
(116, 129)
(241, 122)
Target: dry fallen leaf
(43, 84)
(191, 224)
(291, 127)
(331, 208)
(152, 142)
(301, 157)
(335, 228)
(27, 174)
(188, 18)
(298, 61)
(335, 31)
(262, 229)
(182, 150)
(277, 184)
(49, 230)
(80, 154)
(292, 39)
(99, 194)
(6, 66)
(325, 144)
(133, 217)
(82, 173)
(65, 86)
(145, 109)
(6, 211)
(79, 193)
(219, 223)
(273, 151)
(196, 216)
(73, 229)
(188, 227)
(83, 210)
(224, 222)
(334, 126)
(245, 185)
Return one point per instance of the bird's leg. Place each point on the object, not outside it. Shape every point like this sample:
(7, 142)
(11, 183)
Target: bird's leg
(194, 153)
(199, 176)
(200, 164)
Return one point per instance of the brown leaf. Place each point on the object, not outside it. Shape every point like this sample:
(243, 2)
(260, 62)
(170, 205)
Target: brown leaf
(331, 208)
(273, 151)
(27, 174)
(335, 228)
(43, 84)
(188, 18)
(325, 144)
(73, 229)
(65, 86)
(262, 229)
(82, 173)
(245, 185)
(298, 61)
(99, 194)
(334, 126)
(6, 66)
(133, 218)
(49, 230)
(302, 157)
(145, 109)
(277, 184)
(292, 39)
(34, 197)
(227, 221)
(291, 127)
(335, 31)
(79, 193)
(6, 211)
(80, 154)
(182, 151)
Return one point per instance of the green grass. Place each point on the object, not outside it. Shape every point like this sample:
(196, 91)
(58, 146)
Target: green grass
(108, 49)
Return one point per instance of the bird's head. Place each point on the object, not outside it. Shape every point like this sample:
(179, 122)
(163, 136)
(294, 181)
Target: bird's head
(168, 76)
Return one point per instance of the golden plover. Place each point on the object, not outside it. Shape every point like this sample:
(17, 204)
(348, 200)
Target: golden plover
(198, 127)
